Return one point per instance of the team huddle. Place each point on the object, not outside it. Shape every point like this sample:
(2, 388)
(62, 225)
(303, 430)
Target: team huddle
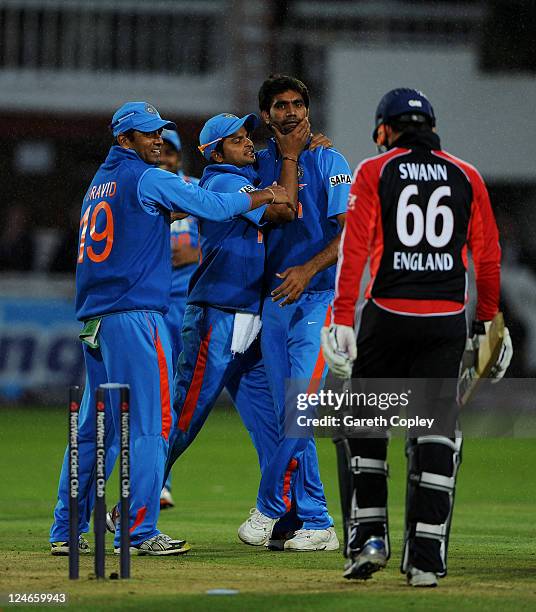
(259, 288)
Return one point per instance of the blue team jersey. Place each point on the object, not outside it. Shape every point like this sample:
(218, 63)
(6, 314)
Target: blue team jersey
(183, 232)
(124, 259)
(324, 180)
(230, 272)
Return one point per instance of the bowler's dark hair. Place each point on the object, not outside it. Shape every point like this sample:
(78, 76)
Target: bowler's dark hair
(129, 134)
(278, 83)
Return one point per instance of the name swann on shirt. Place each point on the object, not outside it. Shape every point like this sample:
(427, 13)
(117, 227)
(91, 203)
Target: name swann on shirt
(423, 172)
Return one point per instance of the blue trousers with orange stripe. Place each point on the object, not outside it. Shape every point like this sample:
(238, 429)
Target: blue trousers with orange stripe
(134, 349)
(207, 366)
(290, 342)
(174, 318)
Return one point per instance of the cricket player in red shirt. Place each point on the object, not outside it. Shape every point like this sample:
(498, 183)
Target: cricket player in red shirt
(414, 211)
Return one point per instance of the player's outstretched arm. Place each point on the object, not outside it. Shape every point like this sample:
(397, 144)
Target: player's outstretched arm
(159, 189)
(280, 212)
(276, 194)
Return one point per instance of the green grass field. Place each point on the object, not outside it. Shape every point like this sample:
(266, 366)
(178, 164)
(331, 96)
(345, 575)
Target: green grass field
(492, 552)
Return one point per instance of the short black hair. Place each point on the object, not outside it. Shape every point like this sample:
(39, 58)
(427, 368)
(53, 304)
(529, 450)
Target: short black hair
(278, 83)
(129, 134)
(217, 149)
(401, 125)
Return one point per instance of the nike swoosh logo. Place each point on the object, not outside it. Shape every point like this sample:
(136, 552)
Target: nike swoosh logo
(311, 322)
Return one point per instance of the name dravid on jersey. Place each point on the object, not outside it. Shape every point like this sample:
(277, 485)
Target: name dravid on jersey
(102, 191)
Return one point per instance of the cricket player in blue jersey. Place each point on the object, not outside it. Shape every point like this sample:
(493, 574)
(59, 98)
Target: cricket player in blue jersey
(184, 260)
(299, 278)
(184, 244)
(123, 285)
(171, 155)
(222, 319)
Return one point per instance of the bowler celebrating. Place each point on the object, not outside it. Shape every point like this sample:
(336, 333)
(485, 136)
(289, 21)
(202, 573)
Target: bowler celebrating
(299, 277)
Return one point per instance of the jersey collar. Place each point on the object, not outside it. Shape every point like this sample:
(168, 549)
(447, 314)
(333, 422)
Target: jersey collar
(410, 140)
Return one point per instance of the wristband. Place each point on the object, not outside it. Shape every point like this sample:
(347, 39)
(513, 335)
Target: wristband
(273, 195)
(290, 159)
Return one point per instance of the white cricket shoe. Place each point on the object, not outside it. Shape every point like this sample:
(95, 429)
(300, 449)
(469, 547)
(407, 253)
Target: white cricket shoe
(61, 549)
(112, 519)
(418, 578)
(160, 545)
(166, 501)
(371, 558)
(313, 539)
(257, 530)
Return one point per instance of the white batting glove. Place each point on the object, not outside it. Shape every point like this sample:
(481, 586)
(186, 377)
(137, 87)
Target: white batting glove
(505, 356)
(339, 346)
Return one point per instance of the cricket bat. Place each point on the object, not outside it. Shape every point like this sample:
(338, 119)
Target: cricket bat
(478, 362)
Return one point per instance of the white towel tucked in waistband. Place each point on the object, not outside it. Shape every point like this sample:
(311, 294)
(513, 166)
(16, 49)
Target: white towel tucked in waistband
(245, 329)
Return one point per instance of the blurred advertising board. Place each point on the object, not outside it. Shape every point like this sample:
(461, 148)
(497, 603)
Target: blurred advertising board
(40, 354)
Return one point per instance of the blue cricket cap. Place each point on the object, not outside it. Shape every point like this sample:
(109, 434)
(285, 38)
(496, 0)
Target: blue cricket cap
(409, 104)
(220, 126)
(172, 137)
(140, 116)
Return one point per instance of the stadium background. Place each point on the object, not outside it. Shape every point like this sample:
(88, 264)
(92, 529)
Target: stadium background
(66, 65)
